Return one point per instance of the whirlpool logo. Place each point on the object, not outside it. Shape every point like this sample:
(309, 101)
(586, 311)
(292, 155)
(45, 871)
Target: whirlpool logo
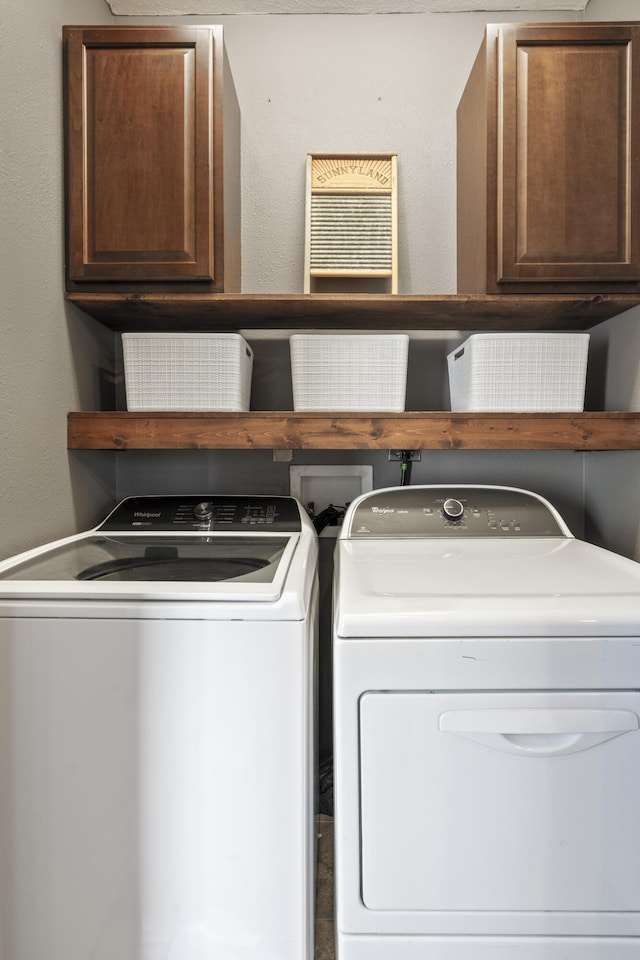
(382, 510)
(146, 514)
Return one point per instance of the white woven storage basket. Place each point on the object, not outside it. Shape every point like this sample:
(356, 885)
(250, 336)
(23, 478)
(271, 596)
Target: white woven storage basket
(187, 371)
(349, 372)
(519, 372)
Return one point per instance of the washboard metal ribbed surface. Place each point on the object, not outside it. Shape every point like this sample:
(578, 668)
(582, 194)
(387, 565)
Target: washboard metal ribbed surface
(351, 217)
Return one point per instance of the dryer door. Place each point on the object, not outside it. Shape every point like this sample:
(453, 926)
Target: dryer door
(500, 801)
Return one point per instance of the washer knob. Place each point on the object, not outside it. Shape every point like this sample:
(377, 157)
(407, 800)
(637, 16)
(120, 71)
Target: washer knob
(452, 509)
(203, 511)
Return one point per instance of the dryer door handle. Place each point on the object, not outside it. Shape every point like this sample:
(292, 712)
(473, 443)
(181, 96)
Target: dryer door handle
(541, 732)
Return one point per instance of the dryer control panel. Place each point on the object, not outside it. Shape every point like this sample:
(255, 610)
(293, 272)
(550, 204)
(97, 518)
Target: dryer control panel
(216, 513)
(452, 511)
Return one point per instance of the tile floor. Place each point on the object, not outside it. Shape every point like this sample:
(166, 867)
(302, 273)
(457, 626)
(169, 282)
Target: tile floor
(324, 947)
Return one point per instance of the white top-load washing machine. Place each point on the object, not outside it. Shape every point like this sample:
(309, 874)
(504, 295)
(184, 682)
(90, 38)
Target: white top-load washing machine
(486, 732)
(156, 736)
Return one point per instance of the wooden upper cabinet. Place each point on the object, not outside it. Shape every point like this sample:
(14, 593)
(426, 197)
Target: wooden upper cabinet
(152, 160)
(548, 159)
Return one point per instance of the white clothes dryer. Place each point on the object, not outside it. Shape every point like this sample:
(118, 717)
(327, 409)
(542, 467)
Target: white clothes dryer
(157, 736)
(486, 732)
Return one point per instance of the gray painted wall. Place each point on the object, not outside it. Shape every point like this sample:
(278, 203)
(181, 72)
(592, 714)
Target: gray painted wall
(612, 500)
(304, 83)
(353, 83)
(50, 354)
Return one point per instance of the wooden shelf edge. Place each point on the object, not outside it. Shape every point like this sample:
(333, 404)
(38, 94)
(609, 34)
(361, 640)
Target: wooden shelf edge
(225, 312)
(265, 430)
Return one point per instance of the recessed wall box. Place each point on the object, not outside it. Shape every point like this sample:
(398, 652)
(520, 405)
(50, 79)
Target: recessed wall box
(329, 484)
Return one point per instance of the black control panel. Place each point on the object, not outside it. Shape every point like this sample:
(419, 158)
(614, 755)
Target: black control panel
(451, 511)
(206, 513)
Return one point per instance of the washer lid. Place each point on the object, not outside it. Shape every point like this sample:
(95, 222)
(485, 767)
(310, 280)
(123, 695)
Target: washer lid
(484, 587)
(254, 550)
(213, 567)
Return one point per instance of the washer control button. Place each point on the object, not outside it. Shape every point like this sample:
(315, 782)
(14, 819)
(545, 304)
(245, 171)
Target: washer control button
(453, 509)
(203, 511)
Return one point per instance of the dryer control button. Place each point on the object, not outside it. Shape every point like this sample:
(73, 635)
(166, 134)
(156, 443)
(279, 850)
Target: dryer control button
(453, 509)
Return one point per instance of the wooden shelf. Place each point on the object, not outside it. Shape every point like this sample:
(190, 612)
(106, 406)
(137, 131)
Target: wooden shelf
(354, 431)
(229, 312)
(273, 313)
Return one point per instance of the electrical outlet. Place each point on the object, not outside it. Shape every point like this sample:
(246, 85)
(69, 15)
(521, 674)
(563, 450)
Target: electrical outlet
(412, 455)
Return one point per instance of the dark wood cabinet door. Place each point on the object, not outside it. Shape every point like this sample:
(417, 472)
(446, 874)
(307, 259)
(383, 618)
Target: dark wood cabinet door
(145, 164)
(561, 154)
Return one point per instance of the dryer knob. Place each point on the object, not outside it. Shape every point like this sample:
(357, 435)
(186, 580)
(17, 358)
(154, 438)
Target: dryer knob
(452, 509)
(203, 511)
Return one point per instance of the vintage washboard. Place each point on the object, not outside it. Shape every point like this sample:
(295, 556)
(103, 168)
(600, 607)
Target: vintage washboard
(351, 217)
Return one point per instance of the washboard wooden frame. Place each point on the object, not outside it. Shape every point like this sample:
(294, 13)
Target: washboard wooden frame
(351, 217)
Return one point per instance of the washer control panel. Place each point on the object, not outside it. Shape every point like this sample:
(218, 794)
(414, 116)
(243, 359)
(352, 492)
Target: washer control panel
(453, 511)
(217, 513)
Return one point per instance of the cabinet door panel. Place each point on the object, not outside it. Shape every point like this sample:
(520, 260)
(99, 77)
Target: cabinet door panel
(566, 210)
(131, 161)
(139, 155)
